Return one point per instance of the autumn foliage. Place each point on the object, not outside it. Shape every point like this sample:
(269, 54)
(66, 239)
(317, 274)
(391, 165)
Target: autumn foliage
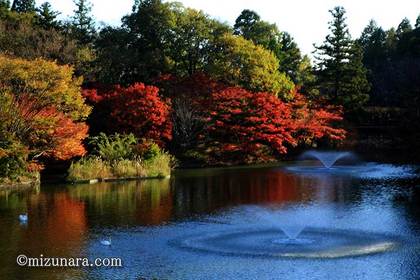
(218, 123)
(256, 126)
(41, 114)
(137, 109)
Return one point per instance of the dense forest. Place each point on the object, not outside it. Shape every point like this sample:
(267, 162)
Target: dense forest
(171, 78)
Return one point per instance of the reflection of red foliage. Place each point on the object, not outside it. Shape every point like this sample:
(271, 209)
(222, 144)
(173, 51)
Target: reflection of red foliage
(137, 109)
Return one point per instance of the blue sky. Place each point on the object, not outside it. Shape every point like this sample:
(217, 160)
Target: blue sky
(306, 20)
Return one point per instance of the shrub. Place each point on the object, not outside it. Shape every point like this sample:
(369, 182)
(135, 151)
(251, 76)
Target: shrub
(114, 147)
(147, 150)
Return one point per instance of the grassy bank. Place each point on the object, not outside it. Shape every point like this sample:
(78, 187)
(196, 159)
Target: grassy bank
(25, 179)
(96, 168)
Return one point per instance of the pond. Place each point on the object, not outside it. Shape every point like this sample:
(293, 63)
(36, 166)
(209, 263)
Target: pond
(263, 222)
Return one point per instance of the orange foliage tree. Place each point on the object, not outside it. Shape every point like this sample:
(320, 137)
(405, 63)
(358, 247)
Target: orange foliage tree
(249, 127)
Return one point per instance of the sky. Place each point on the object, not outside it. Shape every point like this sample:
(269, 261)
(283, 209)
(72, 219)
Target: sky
(306, 20)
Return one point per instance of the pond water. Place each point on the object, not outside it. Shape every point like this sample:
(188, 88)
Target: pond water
(277, 222)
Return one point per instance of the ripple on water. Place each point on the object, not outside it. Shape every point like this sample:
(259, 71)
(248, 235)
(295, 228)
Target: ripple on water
(365, 171)
(311, 243)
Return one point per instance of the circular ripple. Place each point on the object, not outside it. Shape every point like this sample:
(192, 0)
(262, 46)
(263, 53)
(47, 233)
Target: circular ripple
(319, 243)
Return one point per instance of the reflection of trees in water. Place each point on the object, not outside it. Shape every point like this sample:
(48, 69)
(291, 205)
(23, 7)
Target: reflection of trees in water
(146, 202)
(197, 194)
(12, 198)
(56, 227)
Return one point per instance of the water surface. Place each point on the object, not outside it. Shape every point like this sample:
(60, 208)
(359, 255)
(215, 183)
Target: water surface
(147, 219)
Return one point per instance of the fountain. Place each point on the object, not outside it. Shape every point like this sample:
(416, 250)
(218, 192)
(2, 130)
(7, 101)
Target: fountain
(285, 223)
(303, 239)
(328, 159)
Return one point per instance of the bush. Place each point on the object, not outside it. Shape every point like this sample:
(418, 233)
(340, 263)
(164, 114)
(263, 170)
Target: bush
(113, 148)
(147, 150)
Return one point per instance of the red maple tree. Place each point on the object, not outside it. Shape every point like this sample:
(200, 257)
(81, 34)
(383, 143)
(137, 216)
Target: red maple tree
(137, 109)
(253, 125)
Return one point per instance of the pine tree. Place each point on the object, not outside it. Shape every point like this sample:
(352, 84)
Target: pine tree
(4, 4)
(403, 28)
(23, 6)
(290, 57)
(47, 17)
(341, 74)
(373, 43)
(417, 25)
(82, 22)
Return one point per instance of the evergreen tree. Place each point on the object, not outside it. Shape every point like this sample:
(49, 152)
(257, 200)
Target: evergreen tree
(290, 57)
(403, 28)
(341, 74)
(391, 41)
(47, 17)
(23, 6)
(251, 27)
(4, 4)
(417, 25)
(82, 22)
(373, 43)
(245, 24)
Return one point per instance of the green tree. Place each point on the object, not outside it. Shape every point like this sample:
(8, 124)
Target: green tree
(47, 17)
(391, 40)
(23, 6)
(403, 28)
(250, 26)
(341, 74)
(238, 61)
(21, 36)
(417, 25)
(373, 42)
(82, 22)
(191, 45)
(4, 4)
(290, 57)
(44, 82)
(149, 32)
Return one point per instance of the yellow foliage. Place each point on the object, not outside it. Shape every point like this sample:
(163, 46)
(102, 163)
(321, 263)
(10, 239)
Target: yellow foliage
(49, 83)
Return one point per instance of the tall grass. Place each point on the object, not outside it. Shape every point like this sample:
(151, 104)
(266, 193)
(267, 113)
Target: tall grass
(89, 168)
(128, 168)
(96, 168)
(159, 166)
